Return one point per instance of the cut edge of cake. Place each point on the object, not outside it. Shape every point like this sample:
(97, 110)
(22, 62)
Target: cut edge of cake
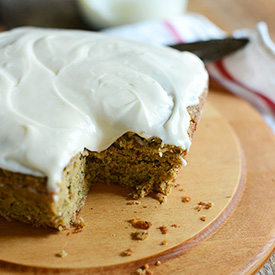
(25, 197)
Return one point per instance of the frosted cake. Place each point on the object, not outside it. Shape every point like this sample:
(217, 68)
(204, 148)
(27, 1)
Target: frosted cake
(79, 107)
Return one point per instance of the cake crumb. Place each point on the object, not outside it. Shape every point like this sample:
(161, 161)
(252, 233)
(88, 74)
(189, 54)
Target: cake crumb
(62, 254)
(204, 205)
(174, 225)
(199, 208)
(209, 205)
(163, 229)
(145, 270)
(68, 234)
(79, 225)
(158, 263)
(140, 271)
(133, 203)
(164, 242)
(181, 189)
(203, 218)
(127, 252)
(186, 199)
(141, 224)
(161, 198)
(145, 206)
(140, 235)
(78, 230)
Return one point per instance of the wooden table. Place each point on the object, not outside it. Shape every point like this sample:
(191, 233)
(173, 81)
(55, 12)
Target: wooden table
(236, 14)
(227, 14)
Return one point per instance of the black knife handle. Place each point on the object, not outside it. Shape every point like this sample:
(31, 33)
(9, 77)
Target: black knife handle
(214, 49)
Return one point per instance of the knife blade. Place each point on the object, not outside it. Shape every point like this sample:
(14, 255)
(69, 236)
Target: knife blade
(214, 49)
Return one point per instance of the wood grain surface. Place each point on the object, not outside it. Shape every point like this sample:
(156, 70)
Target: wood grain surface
(241, 112)
(240, 244)
(229, 15)
(237, 14)
(213, 174)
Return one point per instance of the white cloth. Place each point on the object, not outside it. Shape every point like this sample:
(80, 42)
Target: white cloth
(248, 73)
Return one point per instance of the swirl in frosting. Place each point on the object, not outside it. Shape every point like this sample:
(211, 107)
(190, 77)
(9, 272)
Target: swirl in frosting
(63, 91)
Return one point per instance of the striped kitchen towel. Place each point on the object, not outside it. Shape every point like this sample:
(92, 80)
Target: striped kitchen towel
(248, 73)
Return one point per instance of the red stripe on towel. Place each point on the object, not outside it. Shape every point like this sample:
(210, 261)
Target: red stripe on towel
(220, 66)
(173, 31)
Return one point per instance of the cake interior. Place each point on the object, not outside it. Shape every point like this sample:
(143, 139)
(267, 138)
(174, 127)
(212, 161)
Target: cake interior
(132, 161)
(25, 198)
(143, 165)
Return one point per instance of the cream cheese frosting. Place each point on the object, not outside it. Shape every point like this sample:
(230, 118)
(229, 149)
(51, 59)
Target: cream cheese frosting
(62, 91)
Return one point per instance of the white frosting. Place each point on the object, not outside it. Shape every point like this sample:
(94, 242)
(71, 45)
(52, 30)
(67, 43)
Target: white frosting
(62, 91)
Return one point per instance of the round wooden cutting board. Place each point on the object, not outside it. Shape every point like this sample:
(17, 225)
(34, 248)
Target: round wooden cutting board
(236, 237)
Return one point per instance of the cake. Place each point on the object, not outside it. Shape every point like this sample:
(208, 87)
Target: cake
(78, 108)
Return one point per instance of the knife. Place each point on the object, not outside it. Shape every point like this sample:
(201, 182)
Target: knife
(214, 49)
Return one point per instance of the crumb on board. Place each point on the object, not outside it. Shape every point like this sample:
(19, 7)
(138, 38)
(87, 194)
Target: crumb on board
(141, 224)
(79, 225)
(181, 189)
(145, 270)
(203, 218)
(204, 205)
(174, 225)
(161, 198)
(133, 202)
(145, 206)
(163, 229)
(199, 208)
(164, 242)
(61, 254)
(139, 271)
(186, 199)
(140, 235)
(209, 205)
(127, 252)
(158, 263)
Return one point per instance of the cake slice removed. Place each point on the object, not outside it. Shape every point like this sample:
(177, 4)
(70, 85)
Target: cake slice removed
(78, 108)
